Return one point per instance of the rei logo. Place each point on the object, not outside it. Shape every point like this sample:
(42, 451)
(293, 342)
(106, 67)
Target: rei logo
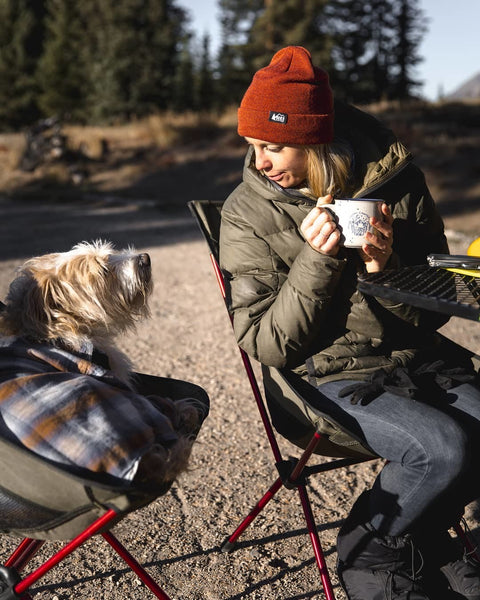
(278, 117)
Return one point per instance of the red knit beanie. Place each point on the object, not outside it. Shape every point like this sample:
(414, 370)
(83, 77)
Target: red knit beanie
(289, 101)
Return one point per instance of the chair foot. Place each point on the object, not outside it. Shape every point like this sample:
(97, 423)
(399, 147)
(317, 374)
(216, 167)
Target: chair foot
(9, 578)
(228, 546)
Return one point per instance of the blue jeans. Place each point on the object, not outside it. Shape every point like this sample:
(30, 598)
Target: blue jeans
(432, 449)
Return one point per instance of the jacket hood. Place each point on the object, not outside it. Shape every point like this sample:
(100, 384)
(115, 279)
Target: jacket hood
(378, 155)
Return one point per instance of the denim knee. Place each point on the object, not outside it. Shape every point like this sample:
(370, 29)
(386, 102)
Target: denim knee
(447, 454)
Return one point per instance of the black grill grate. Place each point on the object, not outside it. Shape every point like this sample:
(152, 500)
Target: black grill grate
(427, 287)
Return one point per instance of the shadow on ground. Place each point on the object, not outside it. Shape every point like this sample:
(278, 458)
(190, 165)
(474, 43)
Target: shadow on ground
(152, 211)
(139, 196)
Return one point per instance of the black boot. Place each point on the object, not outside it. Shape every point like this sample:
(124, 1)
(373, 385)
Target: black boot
(372, 567)
(447, 558)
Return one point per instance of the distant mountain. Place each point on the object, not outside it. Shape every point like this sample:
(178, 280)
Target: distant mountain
(468, 90)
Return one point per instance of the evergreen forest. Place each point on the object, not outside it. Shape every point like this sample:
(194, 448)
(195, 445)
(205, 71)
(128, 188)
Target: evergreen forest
(111, 61)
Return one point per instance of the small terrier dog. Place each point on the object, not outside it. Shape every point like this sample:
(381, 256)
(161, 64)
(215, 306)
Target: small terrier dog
(87, 296)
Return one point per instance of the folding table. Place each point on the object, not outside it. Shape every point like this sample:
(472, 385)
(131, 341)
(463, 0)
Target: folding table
(432, 288)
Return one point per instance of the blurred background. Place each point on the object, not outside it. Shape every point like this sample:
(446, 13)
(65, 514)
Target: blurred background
(138, 98)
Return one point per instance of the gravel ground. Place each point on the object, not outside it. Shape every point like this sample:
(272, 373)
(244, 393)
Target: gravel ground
(189, 336)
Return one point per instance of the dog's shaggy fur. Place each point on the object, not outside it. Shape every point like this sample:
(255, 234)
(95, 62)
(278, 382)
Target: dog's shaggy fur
(91, 294)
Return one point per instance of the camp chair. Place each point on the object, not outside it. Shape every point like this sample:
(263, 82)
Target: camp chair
(40, 501)
(295, 411)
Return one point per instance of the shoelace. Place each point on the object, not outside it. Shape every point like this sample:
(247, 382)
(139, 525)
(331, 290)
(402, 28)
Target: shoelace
(415, 572)
(470, 555)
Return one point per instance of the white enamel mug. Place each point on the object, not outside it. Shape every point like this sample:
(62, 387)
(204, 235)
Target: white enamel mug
(353, 218)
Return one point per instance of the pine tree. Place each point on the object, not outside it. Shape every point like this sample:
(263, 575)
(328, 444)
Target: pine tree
(254, 30)
(133, 55)
(205, 87)
(381, 46)
(289, 22)
(363, 53)
(184, 98)
(347, 20)
(235, 69)
(411, 26)
(375, 47)
(61, 70)
(17, 82)
(36, 38)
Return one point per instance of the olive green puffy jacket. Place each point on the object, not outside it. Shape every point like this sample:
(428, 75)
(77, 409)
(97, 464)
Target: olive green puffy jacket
(296, 308)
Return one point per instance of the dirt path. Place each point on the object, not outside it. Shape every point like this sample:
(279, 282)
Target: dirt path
(178, 536)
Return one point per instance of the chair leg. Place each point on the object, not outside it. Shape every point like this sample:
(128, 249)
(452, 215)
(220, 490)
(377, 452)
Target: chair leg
(293, 479)
(22, 587)
(135, 566)
(316, 544)
(229, 543)
(290, 480)
(25, 551)
(28, 547)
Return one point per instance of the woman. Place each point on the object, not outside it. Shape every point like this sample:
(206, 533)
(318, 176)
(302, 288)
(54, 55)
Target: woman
(293, 295)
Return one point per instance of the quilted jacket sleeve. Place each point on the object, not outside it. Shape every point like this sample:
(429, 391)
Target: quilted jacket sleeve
(277, 309)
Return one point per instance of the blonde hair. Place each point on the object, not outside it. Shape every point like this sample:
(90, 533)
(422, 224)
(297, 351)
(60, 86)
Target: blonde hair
(328, 169)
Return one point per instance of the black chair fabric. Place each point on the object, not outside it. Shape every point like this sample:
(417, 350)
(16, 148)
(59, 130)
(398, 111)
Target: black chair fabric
(41, 500)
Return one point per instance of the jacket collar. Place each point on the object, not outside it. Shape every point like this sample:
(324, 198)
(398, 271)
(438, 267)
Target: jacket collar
(379, 156)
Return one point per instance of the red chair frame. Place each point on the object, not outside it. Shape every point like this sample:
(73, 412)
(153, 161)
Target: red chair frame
(28, 547)
(292, 475)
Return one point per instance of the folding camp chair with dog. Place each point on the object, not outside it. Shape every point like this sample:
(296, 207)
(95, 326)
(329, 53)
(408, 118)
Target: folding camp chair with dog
(295, 411)
(40, 501)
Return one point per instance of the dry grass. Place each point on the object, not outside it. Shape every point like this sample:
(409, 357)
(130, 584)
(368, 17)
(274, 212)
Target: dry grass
(444, 138)
(161, 131)
(118, 153)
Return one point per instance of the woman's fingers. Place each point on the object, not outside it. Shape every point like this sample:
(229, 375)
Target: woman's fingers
(314, 222)
(320, 231)
(317, 240)
(379, 248)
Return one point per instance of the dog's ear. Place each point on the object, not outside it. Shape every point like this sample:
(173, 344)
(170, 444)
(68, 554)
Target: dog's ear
(25, 312)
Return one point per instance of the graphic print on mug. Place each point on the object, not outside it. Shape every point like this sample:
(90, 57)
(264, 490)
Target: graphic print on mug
(358, 224)
(353, 218)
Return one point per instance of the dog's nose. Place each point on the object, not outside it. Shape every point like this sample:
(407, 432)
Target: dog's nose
(144, 260)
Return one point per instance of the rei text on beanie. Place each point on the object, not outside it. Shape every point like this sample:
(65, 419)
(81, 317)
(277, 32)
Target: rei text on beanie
(289, 101)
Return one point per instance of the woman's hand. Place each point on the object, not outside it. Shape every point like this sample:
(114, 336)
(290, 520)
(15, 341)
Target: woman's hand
(376, 253)
(320, 229)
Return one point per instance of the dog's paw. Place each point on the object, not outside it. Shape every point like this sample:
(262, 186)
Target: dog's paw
(161, 466)
(186, 415)
(191, 414)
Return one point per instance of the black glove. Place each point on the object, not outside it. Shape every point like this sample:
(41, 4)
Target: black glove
(437, 373)
(429, 380)
(363, 391)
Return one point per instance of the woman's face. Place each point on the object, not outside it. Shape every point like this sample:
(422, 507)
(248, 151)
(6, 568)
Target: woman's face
(286, 165)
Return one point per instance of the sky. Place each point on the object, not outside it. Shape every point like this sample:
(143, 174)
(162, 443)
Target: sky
(451, 48)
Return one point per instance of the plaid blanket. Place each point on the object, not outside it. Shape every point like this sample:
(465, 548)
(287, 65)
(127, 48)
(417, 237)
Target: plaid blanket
(72, 411)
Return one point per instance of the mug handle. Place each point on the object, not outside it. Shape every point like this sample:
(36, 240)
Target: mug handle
(331, 210)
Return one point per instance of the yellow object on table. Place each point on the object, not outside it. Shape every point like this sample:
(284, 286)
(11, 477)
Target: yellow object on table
(469, 272)
(474, 248)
